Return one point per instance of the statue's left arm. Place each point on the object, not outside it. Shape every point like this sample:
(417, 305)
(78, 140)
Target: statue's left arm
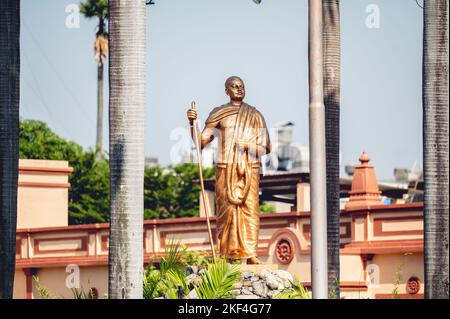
(260, 143)
(263, 139)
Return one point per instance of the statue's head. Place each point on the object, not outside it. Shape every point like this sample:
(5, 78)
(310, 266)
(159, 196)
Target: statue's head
(235, 89)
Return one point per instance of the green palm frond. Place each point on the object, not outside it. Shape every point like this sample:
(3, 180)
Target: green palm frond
(169, 280)
(94, 8)
(218, 280)
(82, 294)
(298, 291)
(173, 257)
(179, 280)
(79, 294)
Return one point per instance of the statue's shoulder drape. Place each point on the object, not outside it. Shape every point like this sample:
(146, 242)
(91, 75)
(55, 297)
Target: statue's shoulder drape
(221, 112)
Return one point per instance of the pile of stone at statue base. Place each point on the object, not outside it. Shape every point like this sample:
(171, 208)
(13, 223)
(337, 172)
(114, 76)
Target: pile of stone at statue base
(265, 284)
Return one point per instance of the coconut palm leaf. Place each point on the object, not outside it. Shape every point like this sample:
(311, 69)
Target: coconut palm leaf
(218, 280)
(173, 257)
(94, 8)
(298, 291)
(178, 279)
(169, 280)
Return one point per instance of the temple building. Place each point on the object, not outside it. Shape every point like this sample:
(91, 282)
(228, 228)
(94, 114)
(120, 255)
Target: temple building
(381, 251)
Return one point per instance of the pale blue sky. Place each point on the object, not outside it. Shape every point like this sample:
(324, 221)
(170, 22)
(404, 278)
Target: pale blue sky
(193, 46)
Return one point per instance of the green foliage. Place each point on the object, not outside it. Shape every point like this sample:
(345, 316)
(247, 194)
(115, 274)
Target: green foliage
(94, 8)
(37, 141)
(298, 291)
(89, 191)
(398, 280)
(266, 208)
(187, 197)
(193, 257)
(42, 291)
(218, 281)
(45, 293)
(173, 257)
(178, 280)
(168, 192)
(158, 196)
(169, 280)
(81, 294)
(152, 284)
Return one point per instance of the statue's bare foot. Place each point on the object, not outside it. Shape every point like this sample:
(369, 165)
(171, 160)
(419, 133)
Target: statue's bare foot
(253, 261)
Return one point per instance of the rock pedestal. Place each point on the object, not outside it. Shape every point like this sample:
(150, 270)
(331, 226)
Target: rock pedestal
(261, 282)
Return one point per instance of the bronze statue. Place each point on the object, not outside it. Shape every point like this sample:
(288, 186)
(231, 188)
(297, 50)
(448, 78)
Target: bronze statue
(243, 138)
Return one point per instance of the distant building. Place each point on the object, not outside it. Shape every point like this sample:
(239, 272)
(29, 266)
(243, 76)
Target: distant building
(404, 175)
(286, 156)
(150, 161)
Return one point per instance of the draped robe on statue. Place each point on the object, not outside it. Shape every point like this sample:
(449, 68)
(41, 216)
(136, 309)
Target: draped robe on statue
(237, 178)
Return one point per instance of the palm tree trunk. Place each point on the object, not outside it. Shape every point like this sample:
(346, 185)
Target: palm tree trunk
(9, 140)
(331, 60)
(99, 135)
(436, 148)
(127, 27)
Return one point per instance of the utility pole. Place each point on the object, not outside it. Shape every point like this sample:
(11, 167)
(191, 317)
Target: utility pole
(319, 254)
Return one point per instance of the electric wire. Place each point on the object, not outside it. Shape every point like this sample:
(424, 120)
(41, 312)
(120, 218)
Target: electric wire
(37, 90)
(60, 78)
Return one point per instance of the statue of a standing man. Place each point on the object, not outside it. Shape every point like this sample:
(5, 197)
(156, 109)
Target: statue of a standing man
(243, 138)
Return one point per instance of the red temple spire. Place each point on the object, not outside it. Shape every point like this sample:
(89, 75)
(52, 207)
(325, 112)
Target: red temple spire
(365, 191)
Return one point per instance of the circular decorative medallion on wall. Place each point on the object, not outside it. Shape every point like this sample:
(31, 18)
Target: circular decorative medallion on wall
(285, 251)
(413, 285)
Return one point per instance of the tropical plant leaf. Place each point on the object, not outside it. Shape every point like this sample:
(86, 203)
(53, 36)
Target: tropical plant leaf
(218, 281)
(79, 294)
(298, 291)
(42, 291)
(179, 280)
(169, 280)
(173, 257)
(152, 279)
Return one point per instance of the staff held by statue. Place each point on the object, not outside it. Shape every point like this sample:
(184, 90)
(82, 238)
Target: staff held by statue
(197, 142)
